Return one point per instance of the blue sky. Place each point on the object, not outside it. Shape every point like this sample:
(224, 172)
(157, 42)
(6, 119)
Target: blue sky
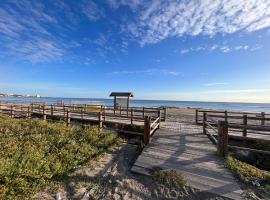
(180, 50)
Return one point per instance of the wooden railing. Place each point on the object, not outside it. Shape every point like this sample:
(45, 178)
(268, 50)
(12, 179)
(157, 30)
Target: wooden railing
(96, 113)
(218, 132)
(119, 111)
(150, 127)
(248, 124)
(261, 118)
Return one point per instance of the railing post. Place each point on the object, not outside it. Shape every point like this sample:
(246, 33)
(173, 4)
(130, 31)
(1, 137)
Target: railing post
(32, 107)
(81, 112)
(222, 138)
(68, 118)
(245, 125)
(226, 116)
(100, 119)
(204, 122)
(263, 118)
(147, 130)
(104, 115)
(159, 120)
(165, 114)
(120, 110)
(64, 110)
(51, 110)
(143, 112)
(101, 108)
(131, 115)
(196, 116)
(44, 113)
(0, 107)
(28, 113)
(12, 111)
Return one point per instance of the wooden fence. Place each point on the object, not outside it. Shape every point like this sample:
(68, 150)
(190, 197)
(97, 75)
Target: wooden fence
(218, 131)
(140, 117)
(261, 118)
(244, 126)
(150, 127)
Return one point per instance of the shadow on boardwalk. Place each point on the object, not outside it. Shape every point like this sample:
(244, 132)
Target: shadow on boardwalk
(183, 147)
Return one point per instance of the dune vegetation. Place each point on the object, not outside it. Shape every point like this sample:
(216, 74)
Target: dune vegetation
(34, 153)
(250, 175)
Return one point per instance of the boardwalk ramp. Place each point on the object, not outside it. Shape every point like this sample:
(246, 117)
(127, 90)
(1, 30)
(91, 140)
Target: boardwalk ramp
(185, 148)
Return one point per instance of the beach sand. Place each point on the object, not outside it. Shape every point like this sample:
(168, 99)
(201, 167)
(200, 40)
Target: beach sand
(109, 176)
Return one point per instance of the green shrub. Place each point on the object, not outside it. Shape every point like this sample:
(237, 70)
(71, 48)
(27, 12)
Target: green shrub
(246, 172)
(170, 178)
(34, 152)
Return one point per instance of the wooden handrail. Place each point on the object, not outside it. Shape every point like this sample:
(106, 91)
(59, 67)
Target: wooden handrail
(154, 122)
(83, 113)
(223, 134)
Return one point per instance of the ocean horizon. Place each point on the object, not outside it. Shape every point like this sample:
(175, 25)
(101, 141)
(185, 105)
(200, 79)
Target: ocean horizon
(230, 106)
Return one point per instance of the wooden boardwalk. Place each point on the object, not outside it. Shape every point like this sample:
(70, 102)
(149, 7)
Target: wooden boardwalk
(183, 147)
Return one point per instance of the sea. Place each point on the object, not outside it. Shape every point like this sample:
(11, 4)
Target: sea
(229, 106)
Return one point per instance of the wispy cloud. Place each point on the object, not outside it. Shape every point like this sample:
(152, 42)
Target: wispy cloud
(221, 48)
(215, 84)
(92, 11)
(132, 4)
(33, 32)
(24, 33)
(158, 20)
(184, 51)
(147, 72)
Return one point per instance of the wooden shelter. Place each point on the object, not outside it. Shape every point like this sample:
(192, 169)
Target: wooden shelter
(121, 99)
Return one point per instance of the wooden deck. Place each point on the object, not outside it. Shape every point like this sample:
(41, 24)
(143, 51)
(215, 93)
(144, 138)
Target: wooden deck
(184, 147)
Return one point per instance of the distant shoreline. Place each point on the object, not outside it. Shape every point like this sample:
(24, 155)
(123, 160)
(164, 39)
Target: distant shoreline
(230, 106)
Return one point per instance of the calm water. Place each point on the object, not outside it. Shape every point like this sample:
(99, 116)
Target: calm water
(252, 107)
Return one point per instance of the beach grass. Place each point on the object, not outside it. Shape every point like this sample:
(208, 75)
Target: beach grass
(34, 153)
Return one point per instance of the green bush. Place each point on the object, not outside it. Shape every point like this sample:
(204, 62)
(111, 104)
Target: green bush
(170, 178)
(34, 152)
(246, 172)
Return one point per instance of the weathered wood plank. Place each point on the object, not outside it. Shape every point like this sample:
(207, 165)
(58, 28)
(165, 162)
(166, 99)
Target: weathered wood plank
(191, 152)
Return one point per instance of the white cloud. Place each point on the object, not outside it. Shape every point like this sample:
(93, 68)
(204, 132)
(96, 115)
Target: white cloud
(215, 84)
(221, 48)
(241, 47)
(213, 47)
(158, 20)
(31, 32)
(132, 4)
(25, 35)
(225, 49)
(92, 11)
(147, 72)
(184, 51)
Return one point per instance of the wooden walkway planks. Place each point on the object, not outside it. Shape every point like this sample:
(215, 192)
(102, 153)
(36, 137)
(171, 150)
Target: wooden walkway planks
(185, 148)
